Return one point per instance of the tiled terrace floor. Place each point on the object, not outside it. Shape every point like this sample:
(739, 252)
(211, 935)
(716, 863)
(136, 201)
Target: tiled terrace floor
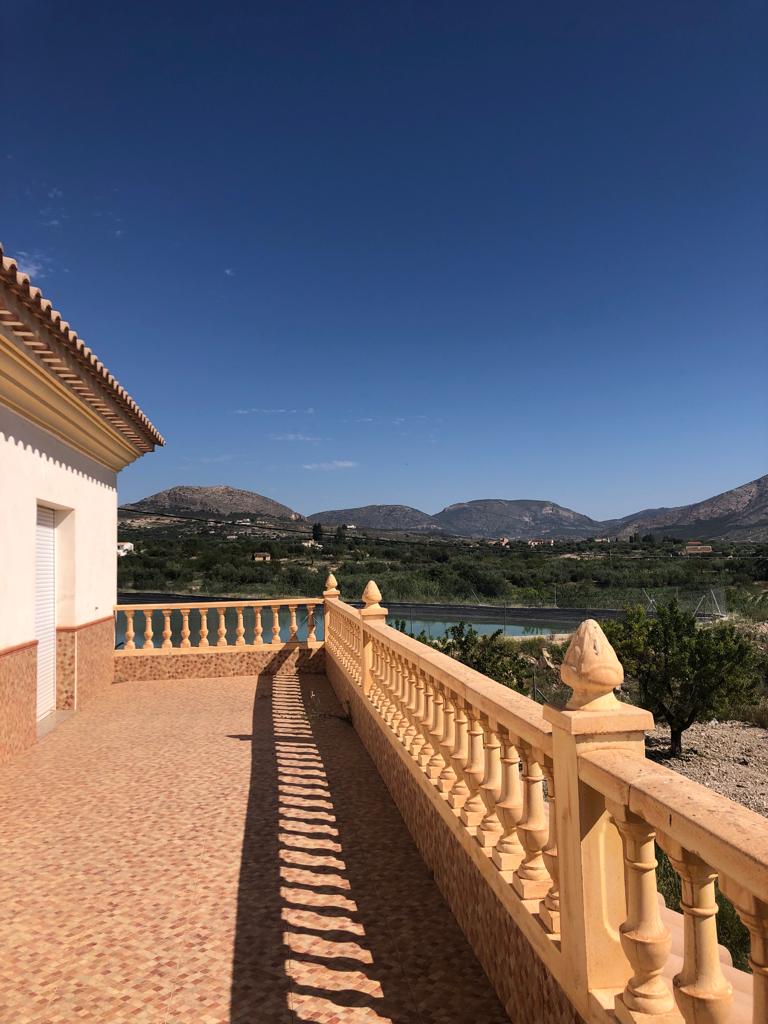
(211, 851)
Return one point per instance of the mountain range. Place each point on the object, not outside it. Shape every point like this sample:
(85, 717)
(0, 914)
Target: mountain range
(738, 514)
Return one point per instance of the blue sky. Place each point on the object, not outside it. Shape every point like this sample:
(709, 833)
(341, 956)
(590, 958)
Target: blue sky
(346, 253)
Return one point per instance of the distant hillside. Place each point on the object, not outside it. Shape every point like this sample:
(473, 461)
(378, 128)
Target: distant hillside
(214, 501)
(520, 519)
(379, 517)
(738, 514)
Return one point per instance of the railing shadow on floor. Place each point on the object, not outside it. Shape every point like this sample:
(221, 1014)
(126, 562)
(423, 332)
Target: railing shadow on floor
(336, 909)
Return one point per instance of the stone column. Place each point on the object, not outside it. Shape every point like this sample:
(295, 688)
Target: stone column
(589, 848)
(372, 612)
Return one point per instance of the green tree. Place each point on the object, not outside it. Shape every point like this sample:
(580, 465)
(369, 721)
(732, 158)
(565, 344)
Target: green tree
(685, 673)
(492, 655)
(317, 532)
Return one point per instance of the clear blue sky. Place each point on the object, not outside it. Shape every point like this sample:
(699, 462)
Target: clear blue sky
(345, 253)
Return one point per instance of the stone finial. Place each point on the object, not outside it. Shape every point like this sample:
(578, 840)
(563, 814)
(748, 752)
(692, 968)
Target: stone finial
(592, 669)
(331, 586)
(371, 594)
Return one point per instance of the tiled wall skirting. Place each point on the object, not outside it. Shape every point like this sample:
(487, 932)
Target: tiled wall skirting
(216, 662)
(84, 663)
(18, 700)
(521, 979)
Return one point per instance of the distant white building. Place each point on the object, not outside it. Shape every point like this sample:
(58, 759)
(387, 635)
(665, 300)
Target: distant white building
(124, 547)
(311, 544)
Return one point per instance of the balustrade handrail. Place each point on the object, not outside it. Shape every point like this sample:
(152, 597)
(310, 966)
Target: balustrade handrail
(687, 812)
(515, 712)
(205, 602)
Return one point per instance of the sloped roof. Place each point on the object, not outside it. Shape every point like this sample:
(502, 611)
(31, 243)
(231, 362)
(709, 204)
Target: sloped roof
(135, 425)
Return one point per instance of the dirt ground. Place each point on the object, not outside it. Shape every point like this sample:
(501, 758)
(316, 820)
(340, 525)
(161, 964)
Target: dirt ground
(729, 757)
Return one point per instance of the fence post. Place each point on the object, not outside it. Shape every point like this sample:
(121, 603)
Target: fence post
(371, 612)
(591, 861)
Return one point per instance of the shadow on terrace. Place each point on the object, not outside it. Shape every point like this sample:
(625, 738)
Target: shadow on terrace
(337, 916)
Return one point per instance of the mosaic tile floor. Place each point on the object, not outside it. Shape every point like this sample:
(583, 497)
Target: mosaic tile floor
(216, 851)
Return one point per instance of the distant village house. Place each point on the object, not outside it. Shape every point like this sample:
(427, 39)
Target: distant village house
(124, 547)
(695, 547)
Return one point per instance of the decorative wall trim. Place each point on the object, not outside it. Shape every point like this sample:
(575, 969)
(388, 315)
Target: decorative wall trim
(83, 625)
(18, 647)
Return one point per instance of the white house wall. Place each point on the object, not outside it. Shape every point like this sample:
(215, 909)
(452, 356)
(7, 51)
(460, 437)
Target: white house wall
(36, 468)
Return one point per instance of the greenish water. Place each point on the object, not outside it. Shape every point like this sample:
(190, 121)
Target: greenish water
(414, 623)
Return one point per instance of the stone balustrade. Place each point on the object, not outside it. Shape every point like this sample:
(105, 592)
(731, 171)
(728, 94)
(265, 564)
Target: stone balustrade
(558, 813)
(154, 629)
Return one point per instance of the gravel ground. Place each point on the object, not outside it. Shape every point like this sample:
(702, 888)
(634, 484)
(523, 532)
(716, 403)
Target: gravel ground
(729, 757)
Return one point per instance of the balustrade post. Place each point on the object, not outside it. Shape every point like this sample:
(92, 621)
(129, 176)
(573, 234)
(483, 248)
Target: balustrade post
(590, 859)
(203, 628)
(701, 991)
(185, 627)
(508, 851)
(130, 643)
(258, 629)
(167, 628)
(330, 594)
(293, 628)
(644, 937)
(754, 915)
(275, 623)
(311, 629)
(371, 612)
(240, 631)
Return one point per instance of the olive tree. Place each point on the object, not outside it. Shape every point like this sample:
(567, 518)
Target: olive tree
(685, 673)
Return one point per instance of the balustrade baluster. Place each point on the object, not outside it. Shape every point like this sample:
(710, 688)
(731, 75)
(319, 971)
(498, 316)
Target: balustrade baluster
(424, 722)
(754, 915)
(130, 643)
(167, 628)
(293, 627)
(258, 629)
(702, 994)
(311, 631)
(275, 624)
(508, 852)
(473, 810)
(385, 682)
(644, 938)
(490, 828)
(549, 908)
(396, 683)
(377, 694)
(203, 628)
(411, 703)
(531, 880)
(446, 780)
(148, 629)
(222, 630)
(185, 628)
(459, 792)
(436, 763)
